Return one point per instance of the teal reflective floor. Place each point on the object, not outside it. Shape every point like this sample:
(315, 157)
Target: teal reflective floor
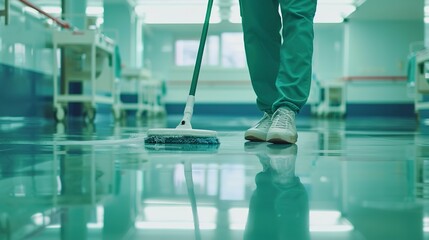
(344, 179)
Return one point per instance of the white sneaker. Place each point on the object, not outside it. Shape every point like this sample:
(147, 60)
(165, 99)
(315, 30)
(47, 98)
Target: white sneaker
(258, 132)
(283, 129)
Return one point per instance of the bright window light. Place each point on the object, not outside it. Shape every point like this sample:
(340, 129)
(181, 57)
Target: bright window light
(426, 224)
(426, 12)
(186, 51)
(224, 50)
(233, 55)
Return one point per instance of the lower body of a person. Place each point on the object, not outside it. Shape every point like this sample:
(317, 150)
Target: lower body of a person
(278, 40)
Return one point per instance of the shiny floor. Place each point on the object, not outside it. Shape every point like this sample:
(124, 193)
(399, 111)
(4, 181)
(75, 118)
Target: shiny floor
(362, 178)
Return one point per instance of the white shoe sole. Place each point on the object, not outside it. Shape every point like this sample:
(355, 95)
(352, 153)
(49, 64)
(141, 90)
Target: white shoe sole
(255, 135)
(281, 138)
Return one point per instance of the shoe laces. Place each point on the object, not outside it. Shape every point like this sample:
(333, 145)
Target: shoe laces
(265, 122)
(283, 118)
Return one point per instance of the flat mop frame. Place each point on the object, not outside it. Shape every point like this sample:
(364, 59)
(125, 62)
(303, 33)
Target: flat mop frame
(184, 133)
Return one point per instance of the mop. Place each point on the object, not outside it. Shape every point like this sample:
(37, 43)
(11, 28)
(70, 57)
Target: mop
(184, 133)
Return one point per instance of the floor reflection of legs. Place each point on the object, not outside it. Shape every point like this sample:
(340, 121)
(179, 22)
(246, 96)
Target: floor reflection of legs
(279, 207)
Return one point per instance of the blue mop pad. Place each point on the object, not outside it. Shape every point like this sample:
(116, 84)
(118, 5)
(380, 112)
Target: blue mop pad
(181, 140)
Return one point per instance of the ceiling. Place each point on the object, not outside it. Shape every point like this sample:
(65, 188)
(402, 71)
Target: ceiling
(369, 10)
(390, 10)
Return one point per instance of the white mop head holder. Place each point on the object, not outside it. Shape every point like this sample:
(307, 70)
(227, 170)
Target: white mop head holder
(187, 115)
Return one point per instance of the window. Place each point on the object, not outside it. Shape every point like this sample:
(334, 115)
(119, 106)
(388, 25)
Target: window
(186, 51)
(233, 50)
(223, 50)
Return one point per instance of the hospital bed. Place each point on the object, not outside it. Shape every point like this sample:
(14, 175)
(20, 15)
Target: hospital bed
(89, 60)
(149, 93)
(332, 99)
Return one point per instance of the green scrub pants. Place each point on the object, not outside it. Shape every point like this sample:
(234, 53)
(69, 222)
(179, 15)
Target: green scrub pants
(279, 50)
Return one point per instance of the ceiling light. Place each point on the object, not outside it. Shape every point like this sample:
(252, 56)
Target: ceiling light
(176, 14)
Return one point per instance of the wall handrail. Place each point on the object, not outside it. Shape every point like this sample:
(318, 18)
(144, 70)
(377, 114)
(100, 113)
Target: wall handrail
(369, 78)
(60, 22)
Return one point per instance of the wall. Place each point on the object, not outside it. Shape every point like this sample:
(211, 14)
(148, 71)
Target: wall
(328, 63)
(232, 85)
(356, 48)
(25, 64)
(121, 24)
(380, 49)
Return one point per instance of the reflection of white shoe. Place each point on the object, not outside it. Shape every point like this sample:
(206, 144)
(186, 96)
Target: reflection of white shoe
(282, 161)
(258, 132)
(260, 150)
(282, 150)
(283, 129)
(255, 147)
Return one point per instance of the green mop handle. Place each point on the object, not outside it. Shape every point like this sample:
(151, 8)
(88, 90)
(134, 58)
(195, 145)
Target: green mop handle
(201, 49)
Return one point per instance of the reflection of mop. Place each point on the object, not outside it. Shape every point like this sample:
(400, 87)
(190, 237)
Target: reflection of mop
(66, 142)
(185, 148)
(192, 199)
